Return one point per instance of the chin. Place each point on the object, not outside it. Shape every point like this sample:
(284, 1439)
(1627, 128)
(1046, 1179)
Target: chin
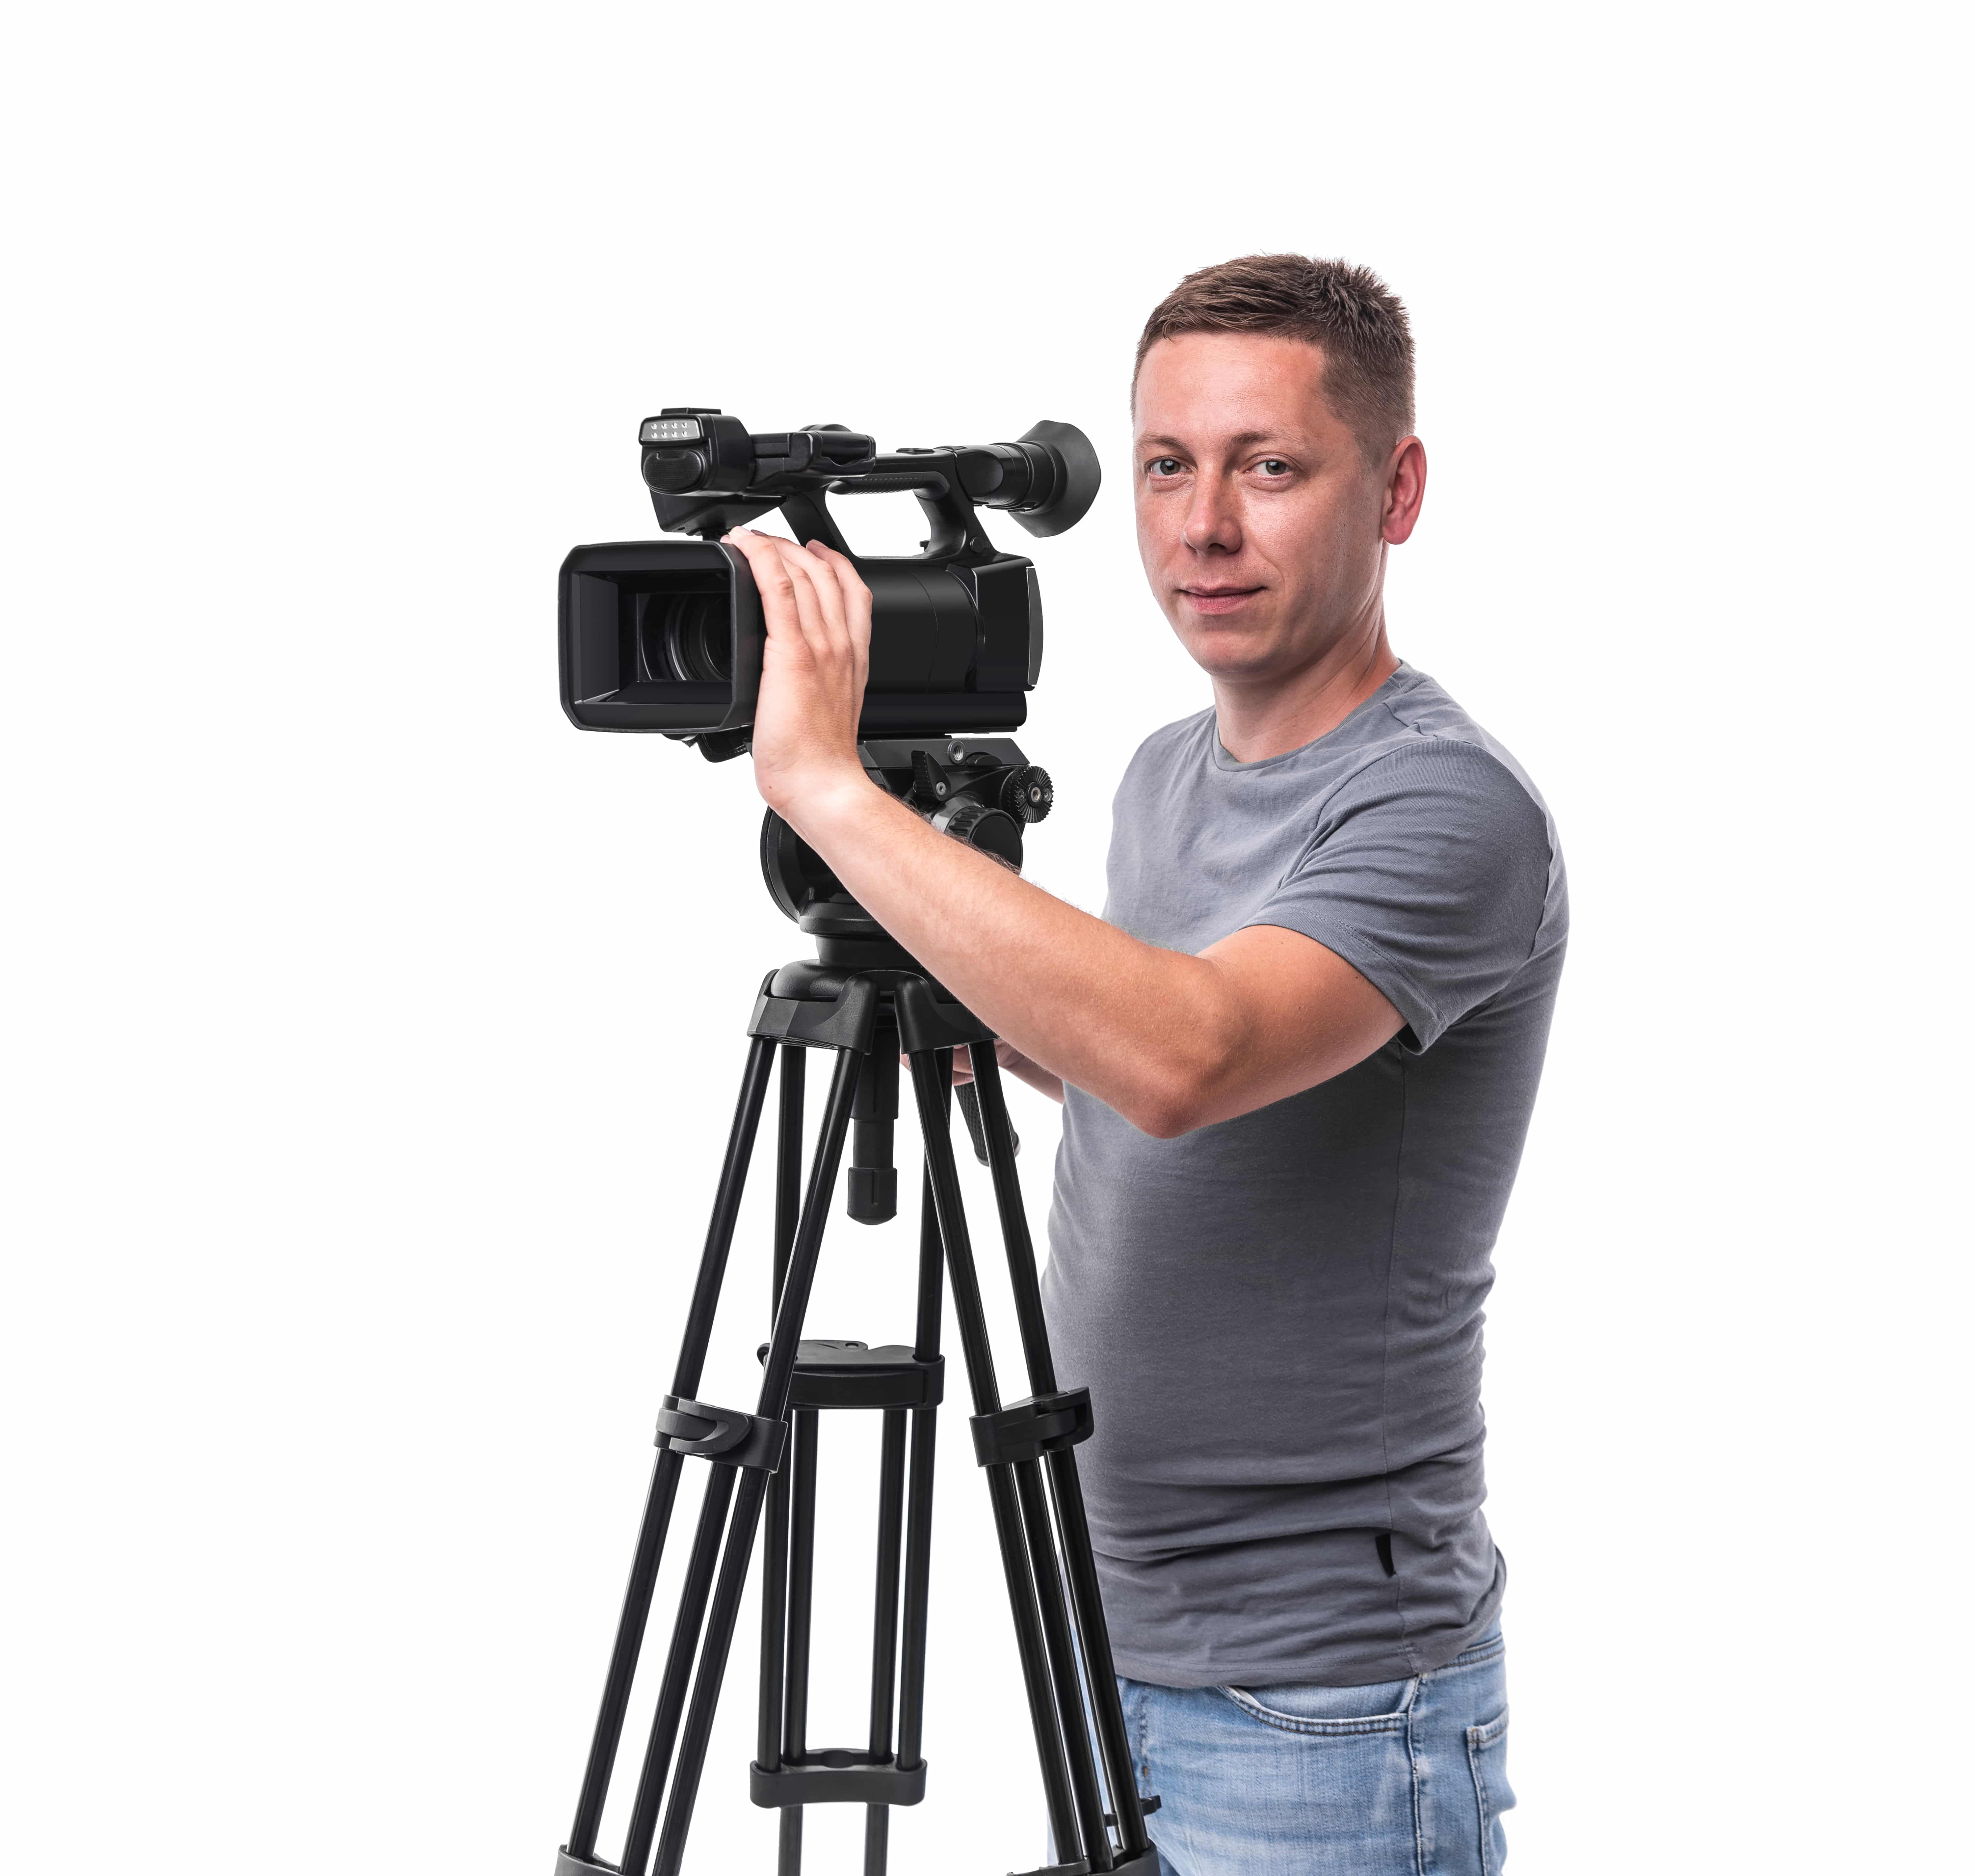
(1232, 656)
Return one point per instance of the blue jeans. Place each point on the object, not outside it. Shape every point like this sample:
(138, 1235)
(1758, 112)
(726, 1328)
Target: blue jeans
(1408, 1778)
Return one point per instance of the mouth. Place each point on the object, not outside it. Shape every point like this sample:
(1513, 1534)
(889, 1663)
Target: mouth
(1214, 599)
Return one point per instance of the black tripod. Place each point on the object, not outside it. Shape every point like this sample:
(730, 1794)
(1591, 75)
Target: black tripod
(866, 1001)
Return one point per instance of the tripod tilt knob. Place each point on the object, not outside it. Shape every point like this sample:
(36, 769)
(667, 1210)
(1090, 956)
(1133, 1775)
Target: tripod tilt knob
(1026, 793)
(992, 830)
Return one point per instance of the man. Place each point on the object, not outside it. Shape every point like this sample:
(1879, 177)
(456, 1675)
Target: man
(1297, 1057)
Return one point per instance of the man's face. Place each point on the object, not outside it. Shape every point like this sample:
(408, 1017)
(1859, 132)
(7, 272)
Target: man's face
(1260, 524)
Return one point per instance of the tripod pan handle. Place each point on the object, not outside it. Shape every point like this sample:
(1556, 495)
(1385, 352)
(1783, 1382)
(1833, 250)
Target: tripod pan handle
(970, 1108)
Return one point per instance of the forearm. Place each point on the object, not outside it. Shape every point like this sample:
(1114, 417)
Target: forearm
(1033, 1073)
(1148, 1032)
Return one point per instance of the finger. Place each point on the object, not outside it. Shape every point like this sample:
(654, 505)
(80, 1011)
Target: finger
(790, 600)
(811, 556)
(962, 1069)
(850, 598)
(857, 595)
(818, 598)
(826, 647)
(775, 584)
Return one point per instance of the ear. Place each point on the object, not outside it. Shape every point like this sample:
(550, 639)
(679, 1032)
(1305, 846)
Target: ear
(1405, 489)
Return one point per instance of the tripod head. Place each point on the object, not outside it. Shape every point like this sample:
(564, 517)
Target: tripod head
(979, 790)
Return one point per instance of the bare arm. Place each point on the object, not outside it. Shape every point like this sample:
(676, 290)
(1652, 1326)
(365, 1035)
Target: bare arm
(1173, 1043)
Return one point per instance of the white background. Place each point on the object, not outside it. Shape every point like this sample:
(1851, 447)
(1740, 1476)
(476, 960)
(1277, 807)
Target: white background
(371, 1035)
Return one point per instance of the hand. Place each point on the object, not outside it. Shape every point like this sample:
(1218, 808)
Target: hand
(1005, 1053)
(818, 615)
(963, 1062)
(1012, 1061)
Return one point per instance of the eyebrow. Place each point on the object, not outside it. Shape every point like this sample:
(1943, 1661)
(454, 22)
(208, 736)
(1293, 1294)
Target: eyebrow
(1247, 440)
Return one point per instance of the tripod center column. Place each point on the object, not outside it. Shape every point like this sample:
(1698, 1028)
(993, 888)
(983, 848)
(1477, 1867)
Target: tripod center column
(870, 1194)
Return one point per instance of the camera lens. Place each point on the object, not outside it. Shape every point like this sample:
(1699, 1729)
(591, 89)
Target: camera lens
(683, 638)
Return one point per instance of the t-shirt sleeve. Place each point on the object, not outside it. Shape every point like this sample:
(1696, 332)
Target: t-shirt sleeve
(1427, 873)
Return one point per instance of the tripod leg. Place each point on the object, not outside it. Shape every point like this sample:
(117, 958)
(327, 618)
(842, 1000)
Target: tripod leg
(885, 1625)
(788, 1164)
(1030, 1642)
(1059, 1640)
(1100, 1674)
(805, 1430)
(1060, 1649)
(637, 1604)
(752, 1488)
(919, 1499)
(679, 1667)
(775, 1554)
(1079, 1565)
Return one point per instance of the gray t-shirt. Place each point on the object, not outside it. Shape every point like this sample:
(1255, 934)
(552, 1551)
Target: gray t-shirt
(1280, 1317)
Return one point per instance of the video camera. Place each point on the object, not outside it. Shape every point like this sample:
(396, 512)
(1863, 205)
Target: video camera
(666, 636)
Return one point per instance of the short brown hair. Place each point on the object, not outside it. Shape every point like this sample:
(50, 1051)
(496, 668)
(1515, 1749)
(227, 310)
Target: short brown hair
(1348, 312)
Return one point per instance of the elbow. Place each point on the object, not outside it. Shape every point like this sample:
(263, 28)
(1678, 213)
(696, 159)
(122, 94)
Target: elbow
(1164, 1123)
(1183, 1082)
(1168, 1107)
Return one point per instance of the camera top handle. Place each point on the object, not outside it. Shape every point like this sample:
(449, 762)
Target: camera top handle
(708, 474)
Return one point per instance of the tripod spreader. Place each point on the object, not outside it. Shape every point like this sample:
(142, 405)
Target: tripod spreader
(765, 1463)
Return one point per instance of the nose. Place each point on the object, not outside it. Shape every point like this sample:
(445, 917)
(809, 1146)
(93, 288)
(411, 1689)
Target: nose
(1211, 525)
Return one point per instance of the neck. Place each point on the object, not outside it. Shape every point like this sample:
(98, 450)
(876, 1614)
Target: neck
(1275, 716)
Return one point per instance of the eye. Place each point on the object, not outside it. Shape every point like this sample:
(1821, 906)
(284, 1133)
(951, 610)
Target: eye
(1273, 467)
(1162, 468)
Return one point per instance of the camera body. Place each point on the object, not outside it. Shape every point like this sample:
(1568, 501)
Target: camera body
(666, 636)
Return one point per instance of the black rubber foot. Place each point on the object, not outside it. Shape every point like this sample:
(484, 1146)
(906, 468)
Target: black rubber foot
(1146, 1863)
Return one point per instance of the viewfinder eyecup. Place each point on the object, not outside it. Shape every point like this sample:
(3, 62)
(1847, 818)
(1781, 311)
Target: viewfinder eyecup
(1076, 482)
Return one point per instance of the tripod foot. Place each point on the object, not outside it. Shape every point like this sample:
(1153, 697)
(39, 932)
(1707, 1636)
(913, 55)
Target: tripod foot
(1146, 1863)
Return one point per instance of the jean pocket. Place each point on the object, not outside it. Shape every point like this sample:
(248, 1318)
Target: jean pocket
(1329, 1711)
(1488, 1758)
(1484, 1647)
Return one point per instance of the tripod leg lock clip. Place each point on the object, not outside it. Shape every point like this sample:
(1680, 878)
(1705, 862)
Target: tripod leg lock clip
(1028, 1429)
(725, 1435)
